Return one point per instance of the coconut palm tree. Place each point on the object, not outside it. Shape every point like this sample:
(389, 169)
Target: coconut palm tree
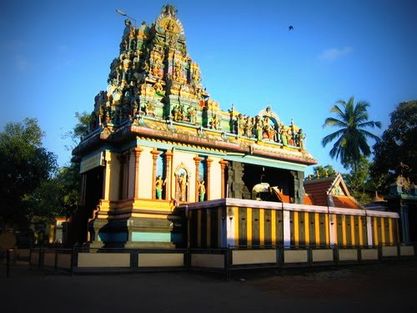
(351, 138)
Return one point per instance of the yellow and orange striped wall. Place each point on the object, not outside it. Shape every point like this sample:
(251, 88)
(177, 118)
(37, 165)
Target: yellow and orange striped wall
(258, 224)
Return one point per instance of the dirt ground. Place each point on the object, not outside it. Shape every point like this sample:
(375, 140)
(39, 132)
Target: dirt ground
(388, 287)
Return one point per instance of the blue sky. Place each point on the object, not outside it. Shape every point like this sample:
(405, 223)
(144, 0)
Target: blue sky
(55, 57)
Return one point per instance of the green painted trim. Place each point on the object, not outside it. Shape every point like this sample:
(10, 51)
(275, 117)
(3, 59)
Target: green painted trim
(266, 162)
(165, 146)
(151, 237)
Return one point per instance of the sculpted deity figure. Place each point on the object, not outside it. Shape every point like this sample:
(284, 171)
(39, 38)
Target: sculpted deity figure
(201, 191)
(258, 127)
(159, 185)
(158, 87)
(191, 115)
(249, 121)
(240, 125)
(195, 73)
(214, 123)
(182, 183)
(149, 109)
(284, 135)
(300, 138)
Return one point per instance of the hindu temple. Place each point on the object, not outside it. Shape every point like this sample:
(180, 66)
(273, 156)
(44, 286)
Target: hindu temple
(164, 166)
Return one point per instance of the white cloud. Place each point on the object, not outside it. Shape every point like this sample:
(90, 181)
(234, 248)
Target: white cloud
(333, 54)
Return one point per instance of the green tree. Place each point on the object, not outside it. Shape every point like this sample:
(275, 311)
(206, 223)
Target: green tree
(359, 181)
(398, 145)
(351, 138)
(24, 165)
(320, 171)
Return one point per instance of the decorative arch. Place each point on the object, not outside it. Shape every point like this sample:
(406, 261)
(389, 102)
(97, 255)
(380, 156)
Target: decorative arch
(267, 112)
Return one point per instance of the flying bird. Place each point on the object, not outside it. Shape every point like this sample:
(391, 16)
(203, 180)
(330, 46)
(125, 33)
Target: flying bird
(121, 12)
(290, 28)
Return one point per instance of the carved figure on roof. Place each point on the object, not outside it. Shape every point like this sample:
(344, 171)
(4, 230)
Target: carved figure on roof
(178, 72)
(300, 139)
(269, 131)
(159, 89)
(214, 122)
(149, 109)
(191, 115)
(241, 125)
(178, 113)
(195, 73)
(169, 10)
(249, 126)
(259, 127)
(284, 135)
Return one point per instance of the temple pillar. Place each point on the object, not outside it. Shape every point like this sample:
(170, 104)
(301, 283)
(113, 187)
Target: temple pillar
(168, 160)
(298, 179)
(106, 178)
(223, 167)
(209, 161)
(137, 152)
(122, 178)
(197, 161)
(155, 154)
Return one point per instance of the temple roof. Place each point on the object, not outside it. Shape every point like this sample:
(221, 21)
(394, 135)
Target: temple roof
(155, 90)
(329, 191)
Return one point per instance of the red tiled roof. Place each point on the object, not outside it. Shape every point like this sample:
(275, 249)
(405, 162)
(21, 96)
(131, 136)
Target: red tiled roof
(345, 202)
(317, 190)
(308, 200)
(281, 196)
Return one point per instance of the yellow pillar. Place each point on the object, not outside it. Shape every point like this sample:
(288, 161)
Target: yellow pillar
(352, 230)
(391, 233)
(223, 166)
(382, 231)
(307, 228)
(317, 228)
(344, 230)
(273, 227)
(249, 227)
(137, 151)
(327, 228)
(208, 187)
(155, 154)
(168, 160)
(375, 226)
(261, 227)
(296, 229)
(106, 180)
(360, 231)
(236, 224)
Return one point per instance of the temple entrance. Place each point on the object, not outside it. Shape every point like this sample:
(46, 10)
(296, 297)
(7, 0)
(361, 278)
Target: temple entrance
(93, 191)
(254, 175)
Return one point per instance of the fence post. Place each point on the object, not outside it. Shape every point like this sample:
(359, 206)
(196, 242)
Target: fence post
(227, 263)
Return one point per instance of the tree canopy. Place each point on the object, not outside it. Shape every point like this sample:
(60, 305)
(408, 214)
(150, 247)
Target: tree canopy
(24, 165)
(398, 145)
(352, 137)
(321, 171)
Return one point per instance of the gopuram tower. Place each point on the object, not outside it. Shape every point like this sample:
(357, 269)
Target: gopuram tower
(157, 141)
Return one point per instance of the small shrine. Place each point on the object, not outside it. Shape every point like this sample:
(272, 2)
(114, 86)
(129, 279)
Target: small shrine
(402, 199)
(157, 141)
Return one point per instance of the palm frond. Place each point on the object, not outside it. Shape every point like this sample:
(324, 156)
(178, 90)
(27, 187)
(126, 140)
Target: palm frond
(331, 121)
(371, 124)
(332, 136)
